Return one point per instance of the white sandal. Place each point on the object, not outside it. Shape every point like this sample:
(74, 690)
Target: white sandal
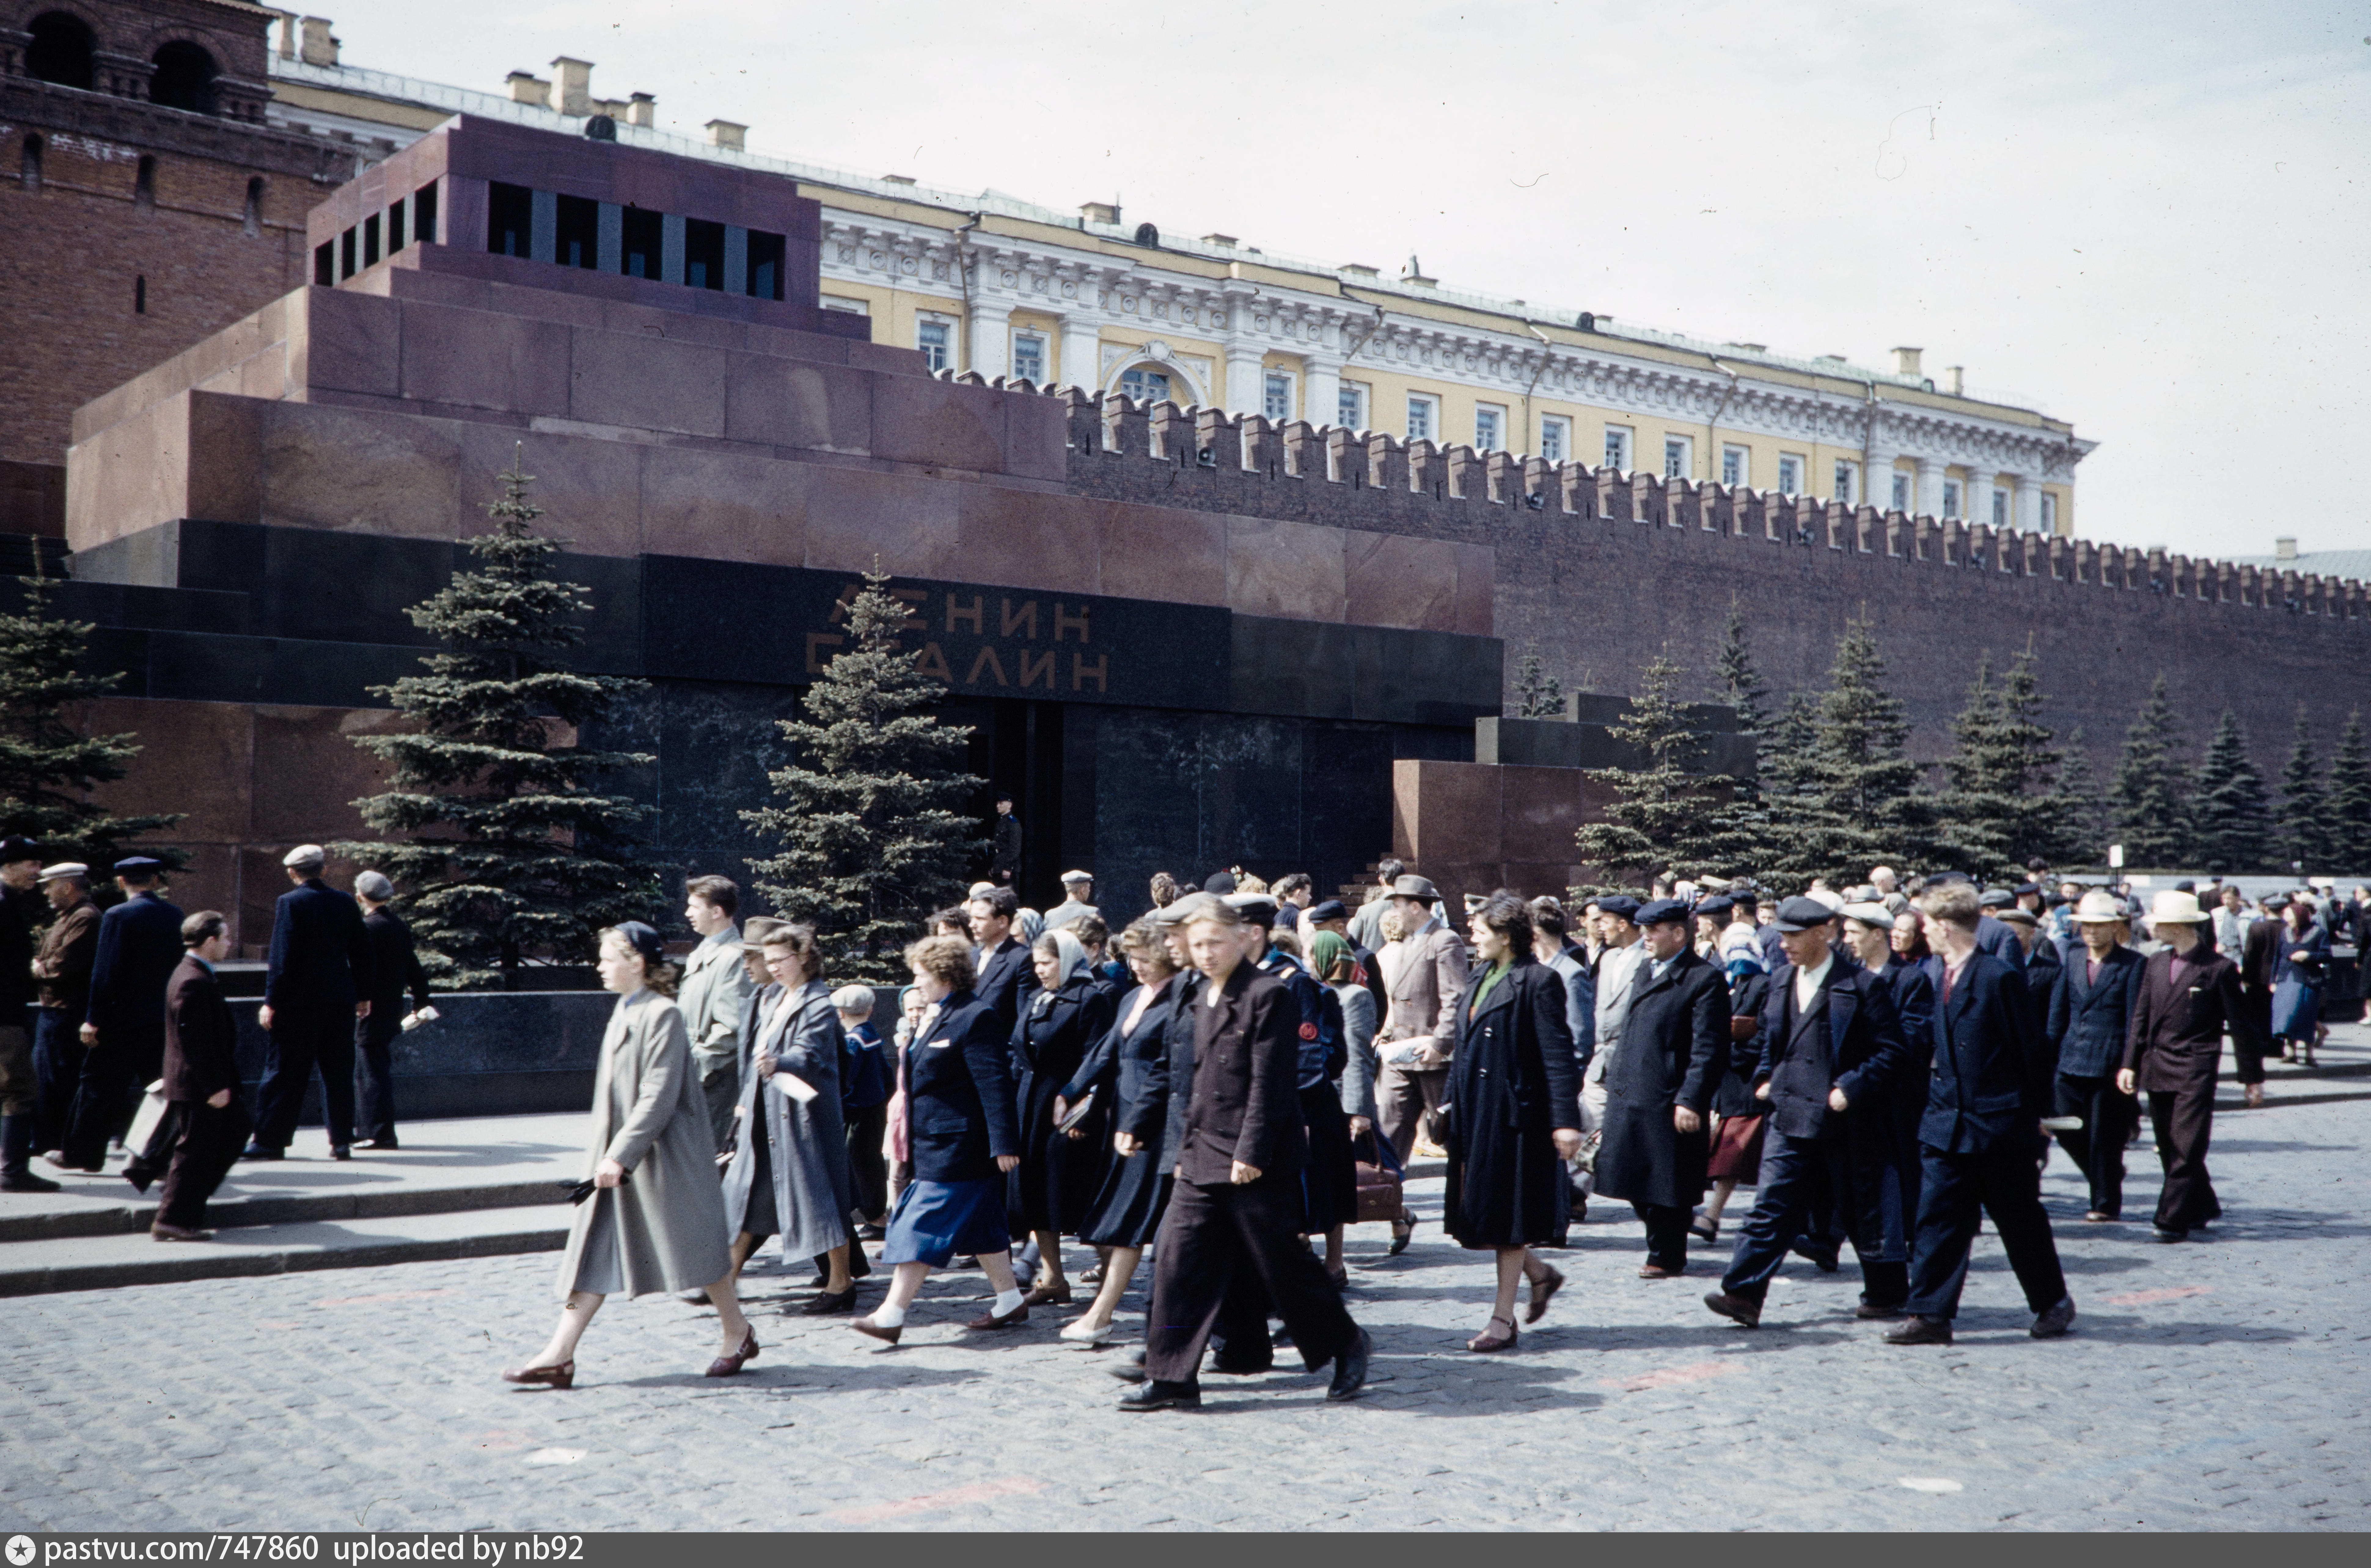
(1092, 1338)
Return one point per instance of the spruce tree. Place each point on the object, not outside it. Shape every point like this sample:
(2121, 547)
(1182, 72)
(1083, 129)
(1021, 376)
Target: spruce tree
(1738, 684)
(2004, 806)
(1856, 799)
(2151, 788)
(2231, 822)
(1537, 694)
(512, 854)
(48, 766)
(871, 811)
(2350, 801)
(2081, 809)
(2304, 821)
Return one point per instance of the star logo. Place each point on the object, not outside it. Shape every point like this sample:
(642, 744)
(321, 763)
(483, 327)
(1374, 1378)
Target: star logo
(21, 1549)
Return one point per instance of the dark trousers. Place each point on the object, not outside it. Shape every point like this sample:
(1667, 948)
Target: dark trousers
(57, 1067)
(1667, 1235)
(1211, 1235)
(300, 1041)
(719, 1086)
(2003, 1182)
(374, 1075)
(114, 1072)
(2184, 1122)
(1799, 1179)
(1408, 1100)
(866, 1164)
(2097, 1146)
(208, 1147)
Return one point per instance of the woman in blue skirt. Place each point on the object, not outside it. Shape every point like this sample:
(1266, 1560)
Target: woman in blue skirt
(2298, 978)
(960, 1129)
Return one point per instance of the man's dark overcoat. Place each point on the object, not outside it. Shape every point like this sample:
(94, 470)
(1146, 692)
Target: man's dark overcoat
(1673, 1048)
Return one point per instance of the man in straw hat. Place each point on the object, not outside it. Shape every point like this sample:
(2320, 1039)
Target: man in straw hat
(2091, 1000)
(2189, 997)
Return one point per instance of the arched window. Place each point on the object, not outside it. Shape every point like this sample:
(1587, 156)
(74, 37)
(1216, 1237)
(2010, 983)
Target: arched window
(61, 51)
(1143, 385)
(184, 78)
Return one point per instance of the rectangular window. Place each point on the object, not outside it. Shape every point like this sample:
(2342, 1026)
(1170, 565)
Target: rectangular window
(423, 214)
(767, 258)
(1950, 498)
(936, 339)
(2000, 507)
(1679, 457)
(851, 306)
(1350, 405)
(1790, 474)
(2049, 513)
(643, 237)
(1847, 483)
(395, 228)
(1617, 447)
(1489, 428)
(325, 263)
(1029, 358)
(1419, 417)
(1736, 466)
(346, 254)
(580, 233)
(703, 254)
(1901, 493)
(370, 240)
(1556, 438)
(1275, 396)
(510, 219)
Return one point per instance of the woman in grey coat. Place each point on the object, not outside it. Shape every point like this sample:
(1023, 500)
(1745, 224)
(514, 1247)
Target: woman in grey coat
(790, 1175)
(654, 1221)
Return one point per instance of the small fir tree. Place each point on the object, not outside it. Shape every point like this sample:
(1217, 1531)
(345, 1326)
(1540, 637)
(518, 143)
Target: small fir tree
(2152, 787)
(2305, 803)
(1669, 816)
(2350, 801)
(2083, 811)
(1538, 694)
(870, 813)
(48, 766)
(1738, 684)
(514, 854)
(2004, 806)
(1856, 800)
(2230, 819)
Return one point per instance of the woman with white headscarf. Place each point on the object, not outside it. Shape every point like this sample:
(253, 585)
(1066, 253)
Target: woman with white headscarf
(1052, 1189)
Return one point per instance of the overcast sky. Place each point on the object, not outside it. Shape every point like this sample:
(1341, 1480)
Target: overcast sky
(2150, 218)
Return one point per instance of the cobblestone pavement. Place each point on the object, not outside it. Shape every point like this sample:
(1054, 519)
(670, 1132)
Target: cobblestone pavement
(2222, 1385)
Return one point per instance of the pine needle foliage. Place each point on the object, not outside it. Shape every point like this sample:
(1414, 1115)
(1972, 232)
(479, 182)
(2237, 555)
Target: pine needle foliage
(1852, 797)
(2350, 801)
(2152, 787)
(2305, 826)
(48, 766)
(513, 853)
(2230, 817)
(1538, 694)
(2004, 805)
(871, 813)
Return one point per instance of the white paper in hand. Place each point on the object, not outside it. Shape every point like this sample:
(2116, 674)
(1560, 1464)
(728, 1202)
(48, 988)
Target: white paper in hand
(797, 1088)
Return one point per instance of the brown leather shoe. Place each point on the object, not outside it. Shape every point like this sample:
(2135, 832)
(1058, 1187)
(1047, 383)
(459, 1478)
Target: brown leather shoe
(879, 1331)
(1049, 1296)
(560, 1377)
(730, 1366)
(160, 1231)
(1543, 1292)
(991, 1319)
(1657, 1271)
(1490, 1340)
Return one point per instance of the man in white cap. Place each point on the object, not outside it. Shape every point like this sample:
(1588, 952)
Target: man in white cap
(318, 983)
(1078, 893)
(2189, 998)
(2091, 1001)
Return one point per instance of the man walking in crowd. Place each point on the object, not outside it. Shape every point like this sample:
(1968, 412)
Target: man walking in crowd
(714, 988)
(1981, 1137)
(1004, 844)
(1078, 902)
(139, 947)
(1672, 1049)
(1622, 955)
(1424, 992)
(21, 864)
(394, 968)
(1551, 947)
(2091, 1003)
(201, 1082)
(1831, 1064)
(2187, 1000)
(1007, 977)
(1367, 923)
(61, 977)
(317, 983)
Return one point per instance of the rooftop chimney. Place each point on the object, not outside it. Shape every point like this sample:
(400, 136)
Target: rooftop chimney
(319, 48)
(1358, 269)
(1100, 212)
(2284, 550)
(576, 85)
(528, 87)
(1953, 379)
(725, 133)
(641, 109)
(1414, 273)
(1905, 362)
(1223, 241)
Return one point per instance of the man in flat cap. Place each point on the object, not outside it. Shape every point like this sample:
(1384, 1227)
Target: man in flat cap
(1833, 1061)
(1078, 902)
(62, 981)
(139, 947)
(318, 984)
(1423, 992)
(395, 968)
(21, 870)
(1673, 1048)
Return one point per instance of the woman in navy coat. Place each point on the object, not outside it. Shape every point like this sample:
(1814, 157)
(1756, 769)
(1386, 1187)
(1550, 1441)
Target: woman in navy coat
(1127, 1072)
(963, 1142)
(1513, 1102)
(2297, 978)
(1056, 1181)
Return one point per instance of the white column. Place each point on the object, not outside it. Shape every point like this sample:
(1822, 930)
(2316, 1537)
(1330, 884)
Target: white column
(1081, 362)
(1930, 487)
(1978, 502)
(2025, 503)
(1321, 391)
(989, 338)
(1243, 383)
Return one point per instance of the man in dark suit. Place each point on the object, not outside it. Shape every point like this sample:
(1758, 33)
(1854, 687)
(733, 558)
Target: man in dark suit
(1674, 1050)
(2259, 961)
(201, 1082)
(394, 968)
(139, 947)
(1978, 1142)
(318, 984)
(1004, 854)
(2091, 1002)
(1236, 1203)
(1007, 977)
(1830, 1062)
(2188, 997)
(21, 870)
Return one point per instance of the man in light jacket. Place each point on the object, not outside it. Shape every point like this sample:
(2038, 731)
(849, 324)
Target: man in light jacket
(715, 986)
(1424, 991)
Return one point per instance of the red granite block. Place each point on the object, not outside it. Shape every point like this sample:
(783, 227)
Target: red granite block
(485, 360)
(1393, 579)
(641, 382)
(938, 424)
(1150, 552)
(797, 403)
(1277, 568)
(723, 506)
(325, 467)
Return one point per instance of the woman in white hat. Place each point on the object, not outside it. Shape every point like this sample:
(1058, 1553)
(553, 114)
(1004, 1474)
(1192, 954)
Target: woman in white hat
(2188, 999)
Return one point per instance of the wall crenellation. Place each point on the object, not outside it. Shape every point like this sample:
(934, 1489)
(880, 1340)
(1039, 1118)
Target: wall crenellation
(1373, 479)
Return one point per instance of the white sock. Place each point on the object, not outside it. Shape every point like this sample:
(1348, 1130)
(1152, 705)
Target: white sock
(1008, 1301)
(889, 1316)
